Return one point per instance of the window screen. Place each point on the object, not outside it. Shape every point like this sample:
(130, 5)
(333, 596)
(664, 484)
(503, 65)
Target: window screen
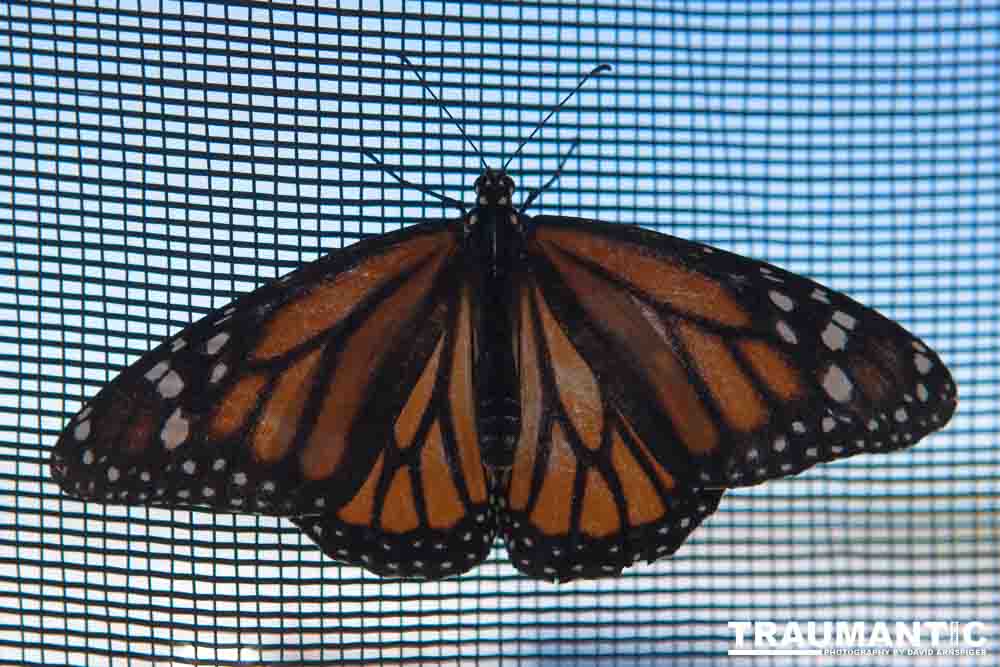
(158, 159)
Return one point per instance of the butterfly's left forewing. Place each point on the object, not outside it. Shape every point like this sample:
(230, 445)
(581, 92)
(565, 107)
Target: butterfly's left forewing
(746, 372)
(333, 396)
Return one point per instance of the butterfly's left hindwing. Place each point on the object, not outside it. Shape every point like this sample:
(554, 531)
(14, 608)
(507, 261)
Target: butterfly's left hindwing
(586, 495)
(322, 396)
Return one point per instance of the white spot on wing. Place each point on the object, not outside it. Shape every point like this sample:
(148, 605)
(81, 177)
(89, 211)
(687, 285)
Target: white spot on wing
(820, 295)
(922, 393)
(215, 343)
(786, 332)
(171, 385)
(834, 337)
(844, 320)
(175, 430)
(189, 467)
(157, 371)
(781, 300)
(837, 385)
(113, 474)
(88, 457)
(218, 372)
(923, 363)
(82, 430)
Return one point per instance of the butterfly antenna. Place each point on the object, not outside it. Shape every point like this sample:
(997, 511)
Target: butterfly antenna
(479, 153)
(537, 191)
(597, 70)
(423, 188)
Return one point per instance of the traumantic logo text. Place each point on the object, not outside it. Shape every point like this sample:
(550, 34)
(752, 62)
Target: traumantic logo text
(860, 638)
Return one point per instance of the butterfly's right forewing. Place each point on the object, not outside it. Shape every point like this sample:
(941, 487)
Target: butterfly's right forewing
(257, 406)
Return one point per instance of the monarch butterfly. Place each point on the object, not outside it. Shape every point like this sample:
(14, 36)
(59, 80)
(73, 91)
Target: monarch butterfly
(586, 390)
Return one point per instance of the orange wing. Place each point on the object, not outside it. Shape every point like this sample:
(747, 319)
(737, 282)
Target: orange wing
(339, 395)
(586, 496)
(744, 371)
(422, 510)
(656, 372)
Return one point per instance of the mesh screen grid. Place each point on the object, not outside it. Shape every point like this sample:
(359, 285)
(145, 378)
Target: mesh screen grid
(157, 159)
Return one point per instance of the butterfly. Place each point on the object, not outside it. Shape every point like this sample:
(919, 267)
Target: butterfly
(587, 391)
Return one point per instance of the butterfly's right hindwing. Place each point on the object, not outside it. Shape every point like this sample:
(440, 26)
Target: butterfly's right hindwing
(423, 510)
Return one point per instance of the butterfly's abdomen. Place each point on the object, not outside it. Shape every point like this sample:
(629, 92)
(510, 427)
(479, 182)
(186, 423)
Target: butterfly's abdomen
(498, 407)
(495, 245)
(499, 425)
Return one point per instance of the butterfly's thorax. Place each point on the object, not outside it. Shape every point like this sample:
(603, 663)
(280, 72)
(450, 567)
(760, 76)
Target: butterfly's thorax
(494, 241)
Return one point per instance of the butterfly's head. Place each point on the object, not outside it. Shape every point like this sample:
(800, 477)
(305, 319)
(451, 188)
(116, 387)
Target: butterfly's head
(494, 188)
